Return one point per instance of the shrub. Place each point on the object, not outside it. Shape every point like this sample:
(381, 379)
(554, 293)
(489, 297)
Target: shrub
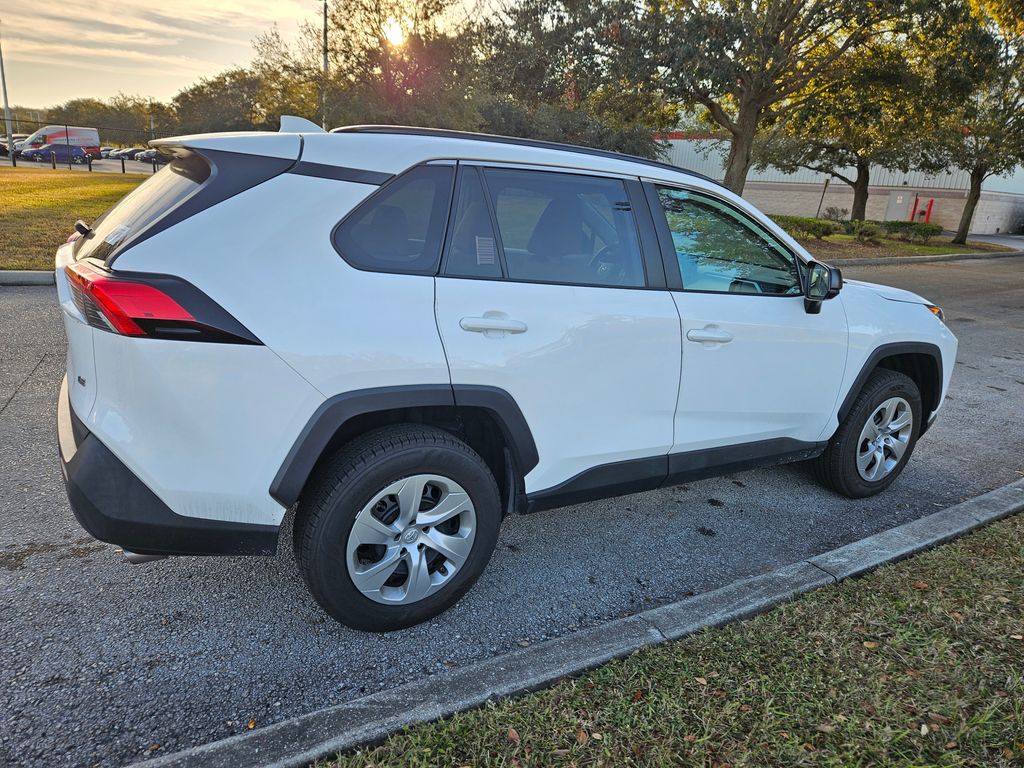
(806, 226)
(911, 230)
(865, 231)
(835, 213)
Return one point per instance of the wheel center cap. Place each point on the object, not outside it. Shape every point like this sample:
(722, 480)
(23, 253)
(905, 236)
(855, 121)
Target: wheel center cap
(410, 535)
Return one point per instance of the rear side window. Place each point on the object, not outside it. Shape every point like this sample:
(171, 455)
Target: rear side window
(165, 190)
(472, 246)
(566, 228)
(400, 228)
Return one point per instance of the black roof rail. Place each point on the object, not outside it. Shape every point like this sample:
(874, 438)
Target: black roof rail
(405, 130)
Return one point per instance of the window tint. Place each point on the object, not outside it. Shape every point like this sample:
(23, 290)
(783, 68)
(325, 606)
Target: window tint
(562, 228)
(164, 190)
(400, 229)
(721, 250)
(472, 248)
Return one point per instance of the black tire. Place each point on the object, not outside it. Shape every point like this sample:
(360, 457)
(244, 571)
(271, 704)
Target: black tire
(836, 468)
(348, 482)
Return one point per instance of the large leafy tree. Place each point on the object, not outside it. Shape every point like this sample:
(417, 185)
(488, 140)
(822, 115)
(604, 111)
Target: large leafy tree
(869, 115)
(977, 78)
(228, 102)
(748, 63)
(549, 74)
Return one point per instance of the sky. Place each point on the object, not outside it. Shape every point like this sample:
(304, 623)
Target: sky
(55, 50)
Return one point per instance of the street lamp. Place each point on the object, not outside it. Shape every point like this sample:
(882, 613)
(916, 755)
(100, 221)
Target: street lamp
(7, 108)
(323, 88)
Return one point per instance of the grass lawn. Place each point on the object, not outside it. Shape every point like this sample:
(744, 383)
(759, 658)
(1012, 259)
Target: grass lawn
(917, 664)
(38, 209)
(847, 247)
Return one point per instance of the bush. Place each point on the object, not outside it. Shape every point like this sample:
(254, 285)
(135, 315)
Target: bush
(865, 231)
(805, 226)
(911, 230)
(835, 213)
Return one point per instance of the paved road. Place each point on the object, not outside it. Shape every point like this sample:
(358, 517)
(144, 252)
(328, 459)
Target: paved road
(102, 660)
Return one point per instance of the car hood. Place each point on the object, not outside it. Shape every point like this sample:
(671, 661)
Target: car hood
(888, 292)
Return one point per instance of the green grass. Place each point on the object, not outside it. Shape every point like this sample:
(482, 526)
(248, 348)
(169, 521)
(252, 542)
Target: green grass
(917, 664)
(39, 207)
(847, 247)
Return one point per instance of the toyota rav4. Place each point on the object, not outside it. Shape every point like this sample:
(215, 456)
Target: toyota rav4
(408, 334)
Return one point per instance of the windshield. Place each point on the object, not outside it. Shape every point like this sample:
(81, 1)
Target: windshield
(163, 191)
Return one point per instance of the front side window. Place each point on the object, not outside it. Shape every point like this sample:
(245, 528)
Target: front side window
(720, 250)
(401, 228)
(565, 228)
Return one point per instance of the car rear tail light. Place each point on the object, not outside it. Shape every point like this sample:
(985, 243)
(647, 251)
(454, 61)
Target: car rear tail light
(151, 306)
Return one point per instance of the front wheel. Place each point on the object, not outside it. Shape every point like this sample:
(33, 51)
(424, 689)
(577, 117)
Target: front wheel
(875, 440)
(397, 527)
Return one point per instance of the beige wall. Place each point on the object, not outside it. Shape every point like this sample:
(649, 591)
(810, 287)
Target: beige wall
(996, 212)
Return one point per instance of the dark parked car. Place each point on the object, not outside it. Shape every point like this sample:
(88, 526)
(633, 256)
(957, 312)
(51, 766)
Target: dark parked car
(152, 155)
(63, 153)
(105, 152)
(129, 154)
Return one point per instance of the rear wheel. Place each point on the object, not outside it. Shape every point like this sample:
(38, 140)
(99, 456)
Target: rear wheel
(875, 440)
(397, 527)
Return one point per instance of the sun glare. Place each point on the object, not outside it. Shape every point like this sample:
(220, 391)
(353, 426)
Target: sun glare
(393, 32)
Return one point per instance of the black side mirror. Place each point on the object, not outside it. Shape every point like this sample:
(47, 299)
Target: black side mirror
(823, 283)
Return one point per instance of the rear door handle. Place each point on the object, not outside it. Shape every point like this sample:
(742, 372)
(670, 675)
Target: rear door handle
(498, 324)
(710, 334)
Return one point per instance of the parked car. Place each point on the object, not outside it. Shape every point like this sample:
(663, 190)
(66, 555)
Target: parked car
(152, 155)
(105, 152)
(62, 152)
(410, 333)
(131, 152)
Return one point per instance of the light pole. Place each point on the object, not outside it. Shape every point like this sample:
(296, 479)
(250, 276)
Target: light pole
(323, 87)
(7, 108)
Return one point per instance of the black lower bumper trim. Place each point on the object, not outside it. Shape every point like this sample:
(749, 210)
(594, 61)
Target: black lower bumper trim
(113, 505)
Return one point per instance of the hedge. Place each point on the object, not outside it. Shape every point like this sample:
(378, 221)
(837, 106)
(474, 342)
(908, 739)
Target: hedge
(806, 226)
(911, 230)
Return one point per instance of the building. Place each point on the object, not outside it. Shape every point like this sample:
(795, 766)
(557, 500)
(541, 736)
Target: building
(893, 195)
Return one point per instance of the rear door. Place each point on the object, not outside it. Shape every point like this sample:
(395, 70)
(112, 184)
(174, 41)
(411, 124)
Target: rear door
(552, 289)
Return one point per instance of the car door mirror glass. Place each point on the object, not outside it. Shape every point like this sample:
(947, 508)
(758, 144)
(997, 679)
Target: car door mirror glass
(819, 282)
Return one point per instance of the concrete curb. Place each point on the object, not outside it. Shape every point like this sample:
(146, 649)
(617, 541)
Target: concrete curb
(306, 738)
(883, 261)
(26, 277)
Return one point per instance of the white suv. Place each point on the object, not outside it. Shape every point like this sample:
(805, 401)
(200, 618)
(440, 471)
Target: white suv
(411, 333)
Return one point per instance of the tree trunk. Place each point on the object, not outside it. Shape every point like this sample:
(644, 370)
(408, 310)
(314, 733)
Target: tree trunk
(741, 147)
(978, 175)
(860, 191)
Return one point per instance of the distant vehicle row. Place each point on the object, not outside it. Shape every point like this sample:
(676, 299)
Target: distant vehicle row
(74, 143)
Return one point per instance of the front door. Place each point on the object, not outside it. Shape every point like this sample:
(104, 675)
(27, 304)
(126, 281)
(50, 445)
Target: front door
(757, 368)
(543, 292)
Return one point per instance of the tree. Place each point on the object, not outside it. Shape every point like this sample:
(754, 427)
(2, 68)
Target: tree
(869, 115)
(548, 71)
(749, 63)
(227, 102)
(980, 122)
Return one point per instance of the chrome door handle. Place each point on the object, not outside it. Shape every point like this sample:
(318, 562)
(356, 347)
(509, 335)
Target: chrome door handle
(485, 324)
(711, 334)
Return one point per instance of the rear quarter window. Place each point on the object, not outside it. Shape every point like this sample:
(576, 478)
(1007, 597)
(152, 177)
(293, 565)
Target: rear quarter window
(165, 190)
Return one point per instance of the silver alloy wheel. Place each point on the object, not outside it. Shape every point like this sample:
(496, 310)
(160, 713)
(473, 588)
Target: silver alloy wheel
(884, 439)
(410, 539)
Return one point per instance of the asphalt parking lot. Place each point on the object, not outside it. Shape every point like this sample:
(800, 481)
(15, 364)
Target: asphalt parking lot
(106, 663)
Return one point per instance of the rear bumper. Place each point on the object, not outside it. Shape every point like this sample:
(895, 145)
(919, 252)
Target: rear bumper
(113, 505)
